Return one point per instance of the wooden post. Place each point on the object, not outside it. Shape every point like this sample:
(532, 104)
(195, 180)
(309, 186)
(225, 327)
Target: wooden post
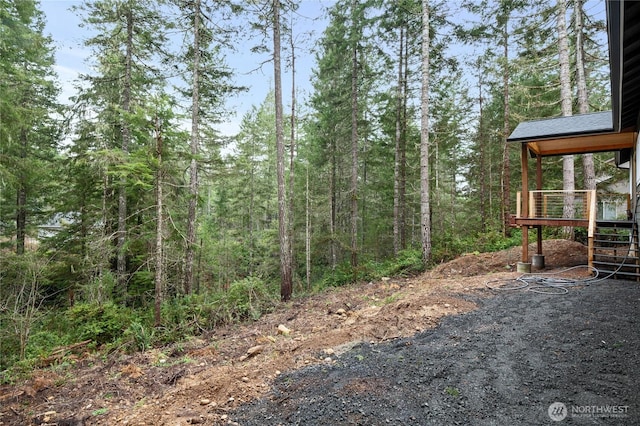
(525, 201)
(539, 188)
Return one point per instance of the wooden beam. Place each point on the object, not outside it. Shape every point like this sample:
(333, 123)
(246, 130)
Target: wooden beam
(534, 221)
(539, 188)
(524, 158)
(583, 144)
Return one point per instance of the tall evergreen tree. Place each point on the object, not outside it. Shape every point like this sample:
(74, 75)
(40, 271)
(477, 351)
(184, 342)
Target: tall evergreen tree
(425, 174)
(195, 140)
(582, 91)
(28, 131)
(128, 45)
(341, 84)
(566, 101)
(398, 27)
(286, 265)
(209, 87)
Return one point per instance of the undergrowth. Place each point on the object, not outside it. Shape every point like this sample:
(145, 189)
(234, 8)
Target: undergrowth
(112, 327)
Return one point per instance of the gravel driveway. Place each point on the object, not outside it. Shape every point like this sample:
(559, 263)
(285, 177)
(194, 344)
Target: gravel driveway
(521, 358)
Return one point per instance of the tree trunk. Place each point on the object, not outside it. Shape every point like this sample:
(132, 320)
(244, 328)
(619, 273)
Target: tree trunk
(333, 250)
(159, 229)
(354, 152)
(121, 267)
(568, 173)
(397, 207)
(193, 166)
(425, 207)
(506, 167)
(285, 251)
(292, 149)
(581, 75)
(482, 160)
(21, 197)
(583, 95)
(403, 148)
(308, 233)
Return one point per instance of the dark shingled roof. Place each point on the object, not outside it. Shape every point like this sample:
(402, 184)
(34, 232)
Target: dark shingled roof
(551, 128)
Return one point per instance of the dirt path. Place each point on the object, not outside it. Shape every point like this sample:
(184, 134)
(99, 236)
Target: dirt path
(479, 357)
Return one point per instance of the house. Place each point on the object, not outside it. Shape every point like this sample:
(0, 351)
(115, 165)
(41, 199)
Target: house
(612, 243)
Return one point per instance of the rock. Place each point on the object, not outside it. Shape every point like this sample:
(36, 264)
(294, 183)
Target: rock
(329, 351)
(341, 311)
(282, 329)
(205, 401)
(245, 379)
(254, 350)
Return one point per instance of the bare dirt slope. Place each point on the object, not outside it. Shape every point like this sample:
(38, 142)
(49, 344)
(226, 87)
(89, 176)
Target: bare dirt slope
(204, 381)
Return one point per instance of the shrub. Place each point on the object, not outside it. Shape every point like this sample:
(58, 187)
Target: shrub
(141, 336)
(494, 241)
(341, 275)
(406, 263)
(101, 323)
(246, 299)
(41, 343)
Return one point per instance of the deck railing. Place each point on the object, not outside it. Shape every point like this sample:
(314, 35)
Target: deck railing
(551, 204)
(572, 208)
(559, 204)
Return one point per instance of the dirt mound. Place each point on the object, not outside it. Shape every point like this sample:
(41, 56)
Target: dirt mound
(557, 254)
(200, 381)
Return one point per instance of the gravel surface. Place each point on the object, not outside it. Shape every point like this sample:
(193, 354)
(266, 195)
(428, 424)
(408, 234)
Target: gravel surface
(521, 358)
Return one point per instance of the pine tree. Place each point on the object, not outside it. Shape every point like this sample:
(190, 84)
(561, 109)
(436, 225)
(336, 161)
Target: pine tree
(342, 84)
(286, 283)
(128, 46)
(209, 87)
(28, 131)
(581, 85)
(425, 174)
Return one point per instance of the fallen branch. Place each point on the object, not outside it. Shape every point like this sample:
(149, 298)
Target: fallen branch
(60, 352)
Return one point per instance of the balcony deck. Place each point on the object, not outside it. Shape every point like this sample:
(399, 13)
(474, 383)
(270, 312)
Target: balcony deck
(560, 208)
